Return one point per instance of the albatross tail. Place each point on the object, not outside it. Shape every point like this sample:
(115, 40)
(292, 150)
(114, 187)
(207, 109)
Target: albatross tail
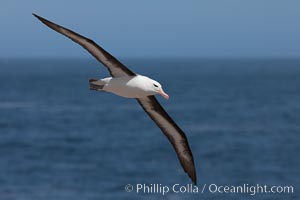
(96, 84)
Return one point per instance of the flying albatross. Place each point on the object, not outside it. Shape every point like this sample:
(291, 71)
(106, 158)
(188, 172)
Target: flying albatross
(128, 84)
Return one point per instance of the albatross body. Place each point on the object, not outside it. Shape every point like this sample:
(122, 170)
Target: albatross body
(129, 86)
(125, 83)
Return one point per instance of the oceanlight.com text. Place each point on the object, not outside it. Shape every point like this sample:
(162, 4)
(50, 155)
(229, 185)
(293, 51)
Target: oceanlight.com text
(250, 189)
(208, 188)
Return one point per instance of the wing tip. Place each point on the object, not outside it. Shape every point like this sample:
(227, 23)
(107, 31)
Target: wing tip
(189, 168)
(193, 177)
(37, 16)
(192, 173)
(45, 21)
(41, 19)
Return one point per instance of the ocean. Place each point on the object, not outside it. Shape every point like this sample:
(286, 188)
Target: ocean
(59, 140)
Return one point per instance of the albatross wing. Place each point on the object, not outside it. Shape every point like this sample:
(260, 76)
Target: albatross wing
(115, 67)
(175, 135)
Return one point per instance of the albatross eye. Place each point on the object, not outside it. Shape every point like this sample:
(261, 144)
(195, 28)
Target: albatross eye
(155, 85)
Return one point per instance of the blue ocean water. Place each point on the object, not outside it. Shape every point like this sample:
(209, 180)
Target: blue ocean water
(59, 140)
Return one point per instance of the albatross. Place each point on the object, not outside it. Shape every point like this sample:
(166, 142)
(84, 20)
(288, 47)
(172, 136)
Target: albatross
(125, 83)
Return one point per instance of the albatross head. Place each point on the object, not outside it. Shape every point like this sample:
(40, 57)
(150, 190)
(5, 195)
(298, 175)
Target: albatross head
(157, 89)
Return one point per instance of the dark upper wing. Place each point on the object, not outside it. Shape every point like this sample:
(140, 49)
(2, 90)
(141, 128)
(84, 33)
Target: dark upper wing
(173, 133)
(115, 68)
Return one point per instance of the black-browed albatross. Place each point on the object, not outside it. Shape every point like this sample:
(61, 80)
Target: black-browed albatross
(128, 84)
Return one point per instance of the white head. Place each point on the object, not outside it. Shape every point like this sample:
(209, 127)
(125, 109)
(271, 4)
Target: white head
(155, 87)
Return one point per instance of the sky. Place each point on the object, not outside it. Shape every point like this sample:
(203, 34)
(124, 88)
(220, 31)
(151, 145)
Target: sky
(156, 28)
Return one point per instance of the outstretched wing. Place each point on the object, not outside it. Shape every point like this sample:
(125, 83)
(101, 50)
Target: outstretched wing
(173, 133)
(115, 67)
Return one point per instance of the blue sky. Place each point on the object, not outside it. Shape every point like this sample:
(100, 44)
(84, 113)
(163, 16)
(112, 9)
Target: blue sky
(143, 28)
